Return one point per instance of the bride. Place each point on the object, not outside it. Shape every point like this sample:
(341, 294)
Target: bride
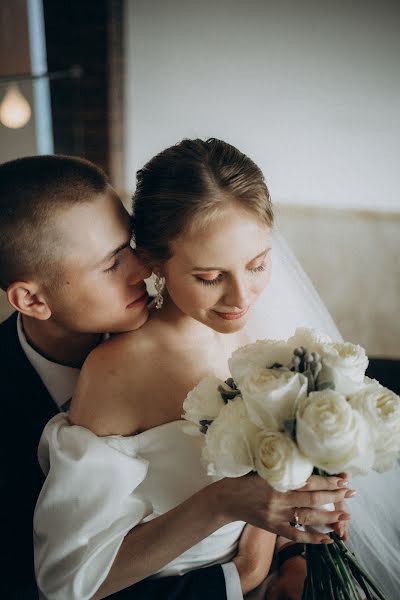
(126, 494)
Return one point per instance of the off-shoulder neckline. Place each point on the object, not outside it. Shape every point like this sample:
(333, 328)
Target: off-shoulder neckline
(119, 436)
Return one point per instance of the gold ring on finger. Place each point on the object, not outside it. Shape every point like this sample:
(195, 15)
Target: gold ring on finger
(296, 521)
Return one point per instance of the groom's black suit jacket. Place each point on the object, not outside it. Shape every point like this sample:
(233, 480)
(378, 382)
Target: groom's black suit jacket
(25, 408)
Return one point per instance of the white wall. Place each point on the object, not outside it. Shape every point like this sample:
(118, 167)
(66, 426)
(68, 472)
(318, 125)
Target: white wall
(310, 90)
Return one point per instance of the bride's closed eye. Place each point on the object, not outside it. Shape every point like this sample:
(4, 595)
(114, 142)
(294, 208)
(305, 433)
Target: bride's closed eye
(260, 268)
(214, 281)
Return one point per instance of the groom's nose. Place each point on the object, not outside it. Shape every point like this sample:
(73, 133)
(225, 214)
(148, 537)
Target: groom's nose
(139, 270)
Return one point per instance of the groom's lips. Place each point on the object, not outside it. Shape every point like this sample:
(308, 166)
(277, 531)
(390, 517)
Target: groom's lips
(232, 316)
(143, 299)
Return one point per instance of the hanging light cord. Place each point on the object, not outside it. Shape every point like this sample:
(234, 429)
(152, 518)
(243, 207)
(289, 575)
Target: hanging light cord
(74, 72)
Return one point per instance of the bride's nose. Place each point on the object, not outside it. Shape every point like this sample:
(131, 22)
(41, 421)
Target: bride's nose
(237, 295)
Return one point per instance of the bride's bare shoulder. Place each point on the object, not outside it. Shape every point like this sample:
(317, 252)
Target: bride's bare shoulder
(111, 386)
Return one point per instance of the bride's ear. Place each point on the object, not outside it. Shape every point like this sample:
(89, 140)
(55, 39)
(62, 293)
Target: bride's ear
(28, 298)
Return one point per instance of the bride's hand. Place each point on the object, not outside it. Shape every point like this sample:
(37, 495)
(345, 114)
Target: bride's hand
(254, 557)
(342, 527)
(253, 500)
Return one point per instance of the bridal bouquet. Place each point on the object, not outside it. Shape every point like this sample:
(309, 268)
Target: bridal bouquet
(296, 407)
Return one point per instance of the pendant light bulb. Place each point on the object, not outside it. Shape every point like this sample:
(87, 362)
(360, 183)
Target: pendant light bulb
(15, 111)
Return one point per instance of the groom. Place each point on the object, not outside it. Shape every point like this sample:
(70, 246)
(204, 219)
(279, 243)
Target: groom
(68, 269)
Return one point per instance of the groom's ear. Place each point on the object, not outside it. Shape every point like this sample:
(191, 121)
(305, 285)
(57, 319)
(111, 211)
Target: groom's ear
(28, 298)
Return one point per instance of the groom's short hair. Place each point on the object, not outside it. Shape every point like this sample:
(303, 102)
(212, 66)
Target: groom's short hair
(34, 191)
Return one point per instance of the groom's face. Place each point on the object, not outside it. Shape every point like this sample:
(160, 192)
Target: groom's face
(101, 285)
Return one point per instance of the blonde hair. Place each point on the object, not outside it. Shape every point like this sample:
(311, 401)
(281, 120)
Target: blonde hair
(185, 185)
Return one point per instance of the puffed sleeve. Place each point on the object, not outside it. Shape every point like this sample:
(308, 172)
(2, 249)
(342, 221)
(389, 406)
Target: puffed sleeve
(89, 502)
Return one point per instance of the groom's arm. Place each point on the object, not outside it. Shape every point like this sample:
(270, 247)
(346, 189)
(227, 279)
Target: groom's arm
(196, 585)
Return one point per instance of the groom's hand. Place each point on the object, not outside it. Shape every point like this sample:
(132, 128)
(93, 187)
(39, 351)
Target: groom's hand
(254, 557)
(253, 500)
(289, 583)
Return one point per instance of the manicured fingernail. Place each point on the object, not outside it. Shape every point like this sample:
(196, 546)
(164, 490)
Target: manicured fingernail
(342, 483)
(326, 541)
(344, 517)
(350, 494)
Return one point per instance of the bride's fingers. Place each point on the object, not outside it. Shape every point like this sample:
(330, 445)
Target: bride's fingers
(341, 528)
(316, 499)
(309, 516)
(303, 537)
(318, 482)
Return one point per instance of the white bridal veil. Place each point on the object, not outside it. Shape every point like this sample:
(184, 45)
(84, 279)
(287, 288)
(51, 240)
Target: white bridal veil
(289, 301)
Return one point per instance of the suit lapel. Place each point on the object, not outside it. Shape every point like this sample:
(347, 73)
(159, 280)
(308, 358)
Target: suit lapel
(30, 400)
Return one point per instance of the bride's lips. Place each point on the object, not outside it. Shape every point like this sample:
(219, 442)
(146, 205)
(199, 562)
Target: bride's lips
(231, 316)
(143, 299)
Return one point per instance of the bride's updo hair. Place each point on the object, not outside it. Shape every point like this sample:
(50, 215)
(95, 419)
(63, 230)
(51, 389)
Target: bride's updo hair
(186, 185)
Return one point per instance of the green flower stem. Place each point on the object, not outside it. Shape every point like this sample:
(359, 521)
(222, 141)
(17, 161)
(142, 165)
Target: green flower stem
(311, 586)
(320, 573)
(340, 576)
(305, 588)
(352, 560)
(363, 585)
(347, 574)
(331, 589)
(338, 592)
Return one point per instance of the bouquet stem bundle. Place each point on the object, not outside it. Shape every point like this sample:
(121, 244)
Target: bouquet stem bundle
(333, 573)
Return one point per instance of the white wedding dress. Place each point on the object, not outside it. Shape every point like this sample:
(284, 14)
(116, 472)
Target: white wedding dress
(98, 488)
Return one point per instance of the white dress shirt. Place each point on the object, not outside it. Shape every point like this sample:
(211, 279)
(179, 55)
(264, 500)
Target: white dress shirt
(59, 380)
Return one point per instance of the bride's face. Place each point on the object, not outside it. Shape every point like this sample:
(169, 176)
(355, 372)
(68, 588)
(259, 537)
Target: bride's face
(216, 273)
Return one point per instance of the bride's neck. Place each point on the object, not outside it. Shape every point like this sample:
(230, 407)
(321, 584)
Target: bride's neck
(185, 326)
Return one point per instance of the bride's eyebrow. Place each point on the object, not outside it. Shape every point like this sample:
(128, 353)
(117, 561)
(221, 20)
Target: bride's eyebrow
(261, 255)
(204, 269)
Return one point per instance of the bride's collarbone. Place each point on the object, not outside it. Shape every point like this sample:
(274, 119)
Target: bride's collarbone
(160, 400)
(212, 350)
(162, 378)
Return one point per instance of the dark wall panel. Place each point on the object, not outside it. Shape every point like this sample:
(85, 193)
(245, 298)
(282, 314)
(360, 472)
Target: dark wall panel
(77, 34)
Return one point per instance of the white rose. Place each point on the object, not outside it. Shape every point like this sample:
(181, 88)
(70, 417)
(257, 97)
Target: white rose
(204, 402)
(381, 409)
(228, 446)
(344, 365)
(310, 339)
(261, 354)
(333, 435)
(279, 461)
(271, 395)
